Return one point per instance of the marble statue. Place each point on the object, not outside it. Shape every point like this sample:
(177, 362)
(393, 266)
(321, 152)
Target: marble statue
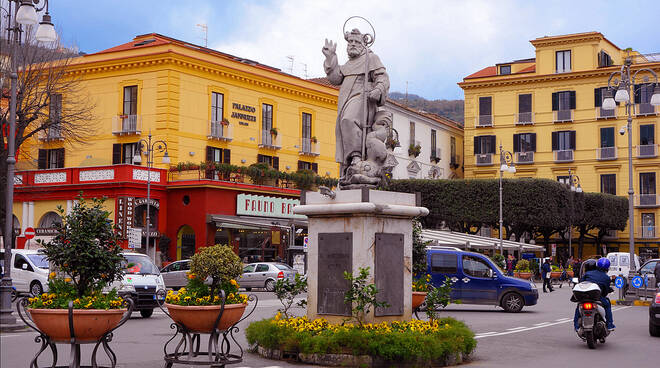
(360, 150)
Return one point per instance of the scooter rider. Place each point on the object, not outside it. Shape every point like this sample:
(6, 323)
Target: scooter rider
(599, 277)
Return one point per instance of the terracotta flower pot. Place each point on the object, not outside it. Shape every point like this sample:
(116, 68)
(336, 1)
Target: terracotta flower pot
(570, 273)
(555, 274)
(418, 298)
(88, 324)
(525, 275)
(201, 318)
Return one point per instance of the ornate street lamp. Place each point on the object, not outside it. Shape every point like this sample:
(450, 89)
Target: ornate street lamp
(624, 84)
(150, 149)
(506, 164)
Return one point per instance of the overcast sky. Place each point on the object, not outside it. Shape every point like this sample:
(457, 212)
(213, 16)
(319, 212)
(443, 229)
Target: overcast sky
(430, 44)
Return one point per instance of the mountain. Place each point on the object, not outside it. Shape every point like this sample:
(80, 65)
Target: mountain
(452, 109)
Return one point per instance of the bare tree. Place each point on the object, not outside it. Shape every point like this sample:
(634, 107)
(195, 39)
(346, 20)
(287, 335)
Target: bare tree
(50, 98)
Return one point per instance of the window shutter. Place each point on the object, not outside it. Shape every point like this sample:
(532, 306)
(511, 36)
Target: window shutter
(516, 143)
(555, 140)
(41, 163)
(116, 154)
(555, 101)
(276, 163)
(300, 165)
(260, 158)
(492, 144)
(60, 158)
(209, 154)
(226, 156)
(598, 97)
(638, 95)
(476, 145)
(572, 138)
(572, 97)
(315, 167)
(533, 142)
(525, 103)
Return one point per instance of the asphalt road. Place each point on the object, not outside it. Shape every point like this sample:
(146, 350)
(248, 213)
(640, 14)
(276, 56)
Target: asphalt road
(539, 336)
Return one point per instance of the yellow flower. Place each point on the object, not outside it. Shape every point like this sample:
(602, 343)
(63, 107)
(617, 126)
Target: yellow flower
(51, 275)
(233, 282)
(278, 316)
(68, 279)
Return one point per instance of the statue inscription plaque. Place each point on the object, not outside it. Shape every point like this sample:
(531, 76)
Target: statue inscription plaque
(335, 257)
(389, 273)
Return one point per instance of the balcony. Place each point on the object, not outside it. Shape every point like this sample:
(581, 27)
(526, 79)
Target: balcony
(644, 109)
(647, 151)
(648, 232)
(525, 157)
(562, 116)
(524, 118)
(270, 141)
(563, 155)
(606, 153)
(309, 147)
(127, 124)
(647, 200)
(483, 121)
(436, 154)
(605, 114)
(484, 159)
(220, 131)
(54, 133)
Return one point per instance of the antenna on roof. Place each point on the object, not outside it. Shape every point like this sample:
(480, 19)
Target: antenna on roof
(205, 28)
(290, 57)
(406, 93)
(305, 69)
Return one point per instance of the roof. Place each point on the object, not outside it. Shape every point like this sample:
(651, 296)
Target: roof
(462, 240)
(488, 71)
(323, 81)
(435, 117)
(491, 71)
(544, 39)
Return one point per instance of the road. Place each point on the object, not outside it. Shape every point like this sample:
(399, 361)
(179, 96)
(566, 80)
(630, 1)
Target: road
(539, 336)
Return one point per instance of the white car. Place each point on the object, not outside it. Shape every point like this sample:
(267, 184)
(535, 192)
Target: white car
(620, 264)
(141, 282)
(29, 270)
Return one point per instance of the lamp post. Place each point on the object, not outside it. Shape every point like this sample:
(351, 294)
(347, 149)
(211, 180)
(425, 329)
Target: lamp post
(574, 184)
(19, 13)
(624, 90)
(150, 149)
(506, 164)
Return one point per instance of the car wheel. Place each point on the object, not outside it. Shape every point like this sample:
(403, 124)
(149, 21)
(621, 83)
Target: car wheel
(513, 302)
(146, 313)
(270, 285)
(248, 289)
(654, 330)
(36, 289)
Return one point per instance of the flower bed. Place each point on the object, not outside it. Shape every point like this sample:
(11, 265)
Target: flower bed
(422, 343)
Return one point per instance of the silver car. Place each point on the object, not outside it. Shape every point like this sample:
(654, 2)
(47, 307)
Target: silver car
(265, 275)
(175, 274)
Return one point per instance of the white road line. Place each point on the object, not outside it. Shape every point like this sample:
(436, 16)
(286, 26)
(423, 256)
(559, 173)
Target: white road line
(515, 328)
(542, 323)
(562, 319)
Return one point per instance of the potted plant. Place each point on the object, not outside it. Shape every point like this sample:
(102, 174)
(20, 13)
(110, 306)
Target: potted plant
(313, 139)
(197, 305)
(555, 272)
(420, 288)
(273, 131)
(86, 257)
(224, 122)
(392, 143)
(414, 150)
(569, 271)
(522, 269)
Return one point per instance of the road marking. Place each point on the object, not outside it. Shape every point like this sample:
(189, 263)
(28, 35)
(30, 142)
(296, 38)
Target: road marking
(542, 323)
(515, 328)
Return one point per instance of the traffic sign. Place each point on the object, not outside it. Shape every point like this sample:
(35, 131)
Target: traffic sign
(29, 233)
(305, 243)
(637, 282)
(619, 282)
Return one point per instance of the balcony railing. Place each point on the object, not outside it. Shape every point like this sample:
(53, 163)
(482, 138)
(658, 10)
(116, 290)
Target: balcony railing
(483, 159)
(271, 141)
(220, 131)
(606, 153)
(648, 232)
(524, 118)
(563, 155)
(605, 114)
(647, 150)
(484, 121)
(436, 154)
(309, 146)
(562, 116)
(645, 108)
(525, 157)
(647, 200)
(54, 133)
(127, 124)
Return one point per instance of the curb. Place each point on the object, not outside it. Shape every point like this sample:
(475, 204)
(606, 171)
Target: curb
(636, 303)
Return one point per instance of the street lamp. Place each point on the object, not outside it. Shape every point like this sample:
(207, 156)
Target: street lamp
(506, 164)
(624, 86)
(574, 184)
(150, 149)
(23, 12)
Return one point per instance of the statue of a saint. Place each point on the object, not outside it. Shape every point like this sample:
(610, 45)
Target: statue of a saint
(360, 140)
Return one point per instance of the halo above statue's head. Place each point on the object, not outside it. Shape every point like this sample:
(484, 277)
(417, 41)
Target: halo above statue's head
(368, 39)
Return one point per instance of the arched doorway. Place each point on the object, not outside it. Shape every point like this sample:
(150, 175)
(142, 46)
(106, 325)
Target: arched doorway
(49, 219)
(185, 242)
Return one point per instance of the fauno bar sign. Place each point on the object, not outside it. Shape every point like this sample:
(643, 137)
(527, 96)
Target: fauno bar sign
(256, 205)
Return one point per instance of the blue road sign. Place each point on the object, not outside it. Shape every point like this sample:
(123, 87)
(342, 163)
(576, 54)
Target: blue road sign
(637, 282)
(618, 282)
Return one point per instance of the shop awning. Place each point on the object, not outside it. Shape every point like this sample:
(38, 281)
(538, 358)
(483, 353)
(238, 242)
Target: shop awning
(469, 241)
(254, 223)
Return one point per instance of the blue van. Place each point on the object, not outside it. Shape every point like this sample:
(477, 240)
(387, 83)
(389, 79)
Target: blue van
(477, 280)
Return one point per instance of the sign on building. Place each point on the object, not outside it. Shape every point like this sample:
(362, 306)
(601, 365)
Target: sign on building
(134, 237)
(256, 205)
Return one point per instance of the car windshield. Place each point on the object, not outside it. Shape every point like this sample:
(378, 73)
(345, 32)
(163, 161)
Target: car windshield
(283, 267)
(39, 260)
(139, 265)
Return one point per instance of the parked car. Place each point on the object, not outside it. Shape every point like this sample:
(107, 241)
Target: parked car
(265, 275)
(477, 280)
(29, 271)
(141, 282)
(175, 274)
(654, 316)
(647, 272)
(620, 264)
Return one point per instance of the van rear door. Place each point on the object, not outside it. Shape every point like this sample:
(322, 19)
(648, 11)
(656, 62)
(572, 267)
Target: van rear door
(445, 265)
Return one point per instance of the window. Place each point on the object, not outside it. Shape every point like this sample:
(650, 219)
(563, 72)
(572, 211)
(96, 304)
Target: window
(476, 267)
(607, 137)
(220, 155)
(608, 183)
(647, 134)
(124, 153)
(55, 108)
(412, 133)
(524, 142)
(261, 268)
(647, 183)
(434, 145)
(130, 100)
(19, 261)
(485, 111)
(444, 263)
(505, 69)
(563, 61)
(564, 179)
(563, 140)
(217, 106)
(306, 125)
(452, 147)
(272, 161)
(599, 96)
(266, 117)
(525, 109)
(304, 165)
(648, 226)
(604, 59)
(484, 144)
(51, 158)
(248, 268)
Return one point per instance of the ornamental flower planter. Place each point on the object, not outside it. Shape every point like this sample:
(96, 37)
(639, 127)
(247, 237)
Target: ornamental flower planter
(89, 325)
(200, 319)
(525, 275)
(555, 274)
(570, 273)
(418, 298)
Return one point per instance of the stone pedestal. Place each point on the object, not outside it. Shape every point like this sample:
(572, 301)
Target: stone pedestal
(357, 229)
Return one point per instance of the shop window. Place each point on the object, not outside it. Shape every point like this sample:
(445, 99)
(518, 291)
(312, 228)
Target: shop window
(123, 153)
(140, 219)
(51, 158)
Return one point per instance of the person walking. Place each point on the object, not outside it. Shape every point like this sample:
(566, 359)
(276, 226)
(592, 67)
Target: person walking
(510, 265)
(545, 273)
(656, 272)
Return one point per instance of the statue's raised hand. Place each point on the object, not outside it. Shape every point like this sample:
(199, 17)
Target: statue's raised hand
(329, 48)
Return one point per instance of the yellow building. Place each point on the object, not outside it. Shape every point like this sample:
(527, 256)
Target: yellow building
(547, 111)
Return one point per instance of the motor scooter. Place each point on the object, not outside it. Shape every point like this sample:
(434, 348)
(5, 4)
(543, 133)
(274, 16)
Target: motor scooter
(593, 328)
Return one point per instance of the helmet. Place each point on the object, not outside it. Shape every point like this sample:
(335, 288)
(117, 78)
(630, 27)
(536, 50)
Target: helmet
(603, 264)
(588, 265)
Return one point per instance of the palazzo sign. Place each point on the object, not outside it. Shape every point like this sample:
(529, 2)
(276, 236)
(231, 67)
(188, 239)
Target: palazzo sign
(256, 205)
(244, 114)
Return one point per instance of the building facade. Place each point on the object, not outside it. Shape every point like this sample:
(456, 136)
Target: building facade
(548, 112)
